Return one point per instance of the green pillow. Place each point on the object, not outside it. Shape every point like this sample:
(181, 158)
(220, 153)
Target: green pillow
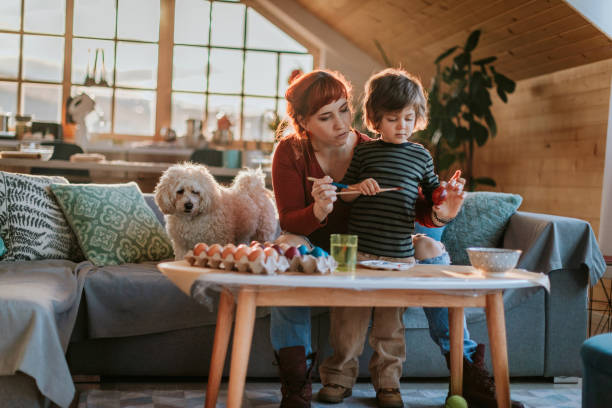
(113, 223)
(480, 223)
(2, 247)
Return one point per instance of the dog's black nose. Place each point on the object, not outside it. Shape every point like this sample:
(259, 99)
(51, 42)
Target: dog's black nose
(188, 206)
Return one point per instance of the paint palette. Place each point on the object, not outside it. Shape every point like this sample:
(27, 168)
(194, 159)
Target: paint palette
(391, 266)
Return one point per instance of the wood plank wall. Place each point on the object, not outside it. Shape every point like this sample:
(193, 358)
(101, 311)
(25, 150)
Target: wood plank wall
(550, 146)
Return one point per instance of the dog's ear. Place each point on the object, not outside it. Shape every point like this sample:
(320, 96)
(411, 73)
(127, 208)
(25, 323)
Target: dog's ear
(164, 193)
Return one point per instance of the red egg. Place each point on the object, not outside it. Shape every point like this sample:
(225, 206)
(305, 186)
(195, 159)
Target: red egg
(199, 248)
(241, 252)
(278, 249)
(214, 249)
(256, 254)
(227, 250)
(291, 252)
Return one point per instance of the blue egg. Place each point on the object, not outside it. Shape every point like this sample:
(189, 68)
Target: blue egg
(317, 252)
(303, 249)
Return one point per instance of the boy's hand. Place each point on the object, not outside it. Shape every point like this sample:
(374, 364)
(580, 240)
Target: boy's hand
(367, 187)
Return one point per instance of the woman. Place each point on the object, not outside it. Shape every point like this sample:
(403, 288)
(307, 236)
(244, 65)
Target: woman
(322, 148)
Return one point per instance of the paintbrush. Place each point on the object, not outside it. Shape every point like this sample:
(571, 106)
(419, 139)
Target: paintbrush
(340, 185)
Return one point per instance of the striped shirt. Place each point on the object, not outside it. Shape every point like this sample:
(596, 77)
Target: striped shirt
(385, 222)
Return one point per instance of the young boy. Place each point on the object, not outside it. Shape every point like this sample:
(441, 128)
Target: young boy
(394, 106)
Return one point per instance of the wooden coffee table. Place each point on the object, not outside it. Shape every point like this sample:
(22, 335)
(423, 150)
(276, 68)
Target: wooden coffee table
(454, 287)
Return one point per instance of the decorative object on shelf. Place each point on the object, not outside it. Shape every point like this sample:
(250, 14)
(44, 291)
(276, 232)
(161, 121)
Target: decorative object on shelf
(194, 136)
(23, 126)
(223, 135)
(167, 134)
(90, 75)
(460, 109)
(294, 74)
(77, 109)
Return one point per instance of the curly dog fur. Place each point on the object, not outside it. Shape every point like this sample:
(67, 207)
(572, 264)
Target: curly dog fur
(198, 209)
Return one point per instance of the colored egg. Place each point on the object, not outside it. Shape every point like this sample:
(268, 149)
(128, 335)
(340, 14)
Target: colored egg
(241, 252)
(228, 250)
(303, 249)
(256, 254)
(291, 252)
(271, 252)
(278, 249)
(214, 249)
(267, 244)
(284, 246)
(317, 252)
(253, 243)
(199, 248)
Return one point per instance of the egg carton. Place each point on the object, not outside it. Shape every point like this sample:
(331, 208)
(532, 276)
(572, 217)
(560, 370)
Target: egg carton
(313, 264)
(218, 257)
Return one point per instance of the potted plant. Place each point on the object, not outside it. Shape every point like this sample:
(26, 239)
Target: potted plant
(460, 115)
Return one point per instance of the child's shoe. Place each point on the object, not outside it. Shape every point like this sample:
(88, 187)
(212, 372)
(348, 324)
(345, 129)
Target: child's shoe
(334, 393)
(389, 398)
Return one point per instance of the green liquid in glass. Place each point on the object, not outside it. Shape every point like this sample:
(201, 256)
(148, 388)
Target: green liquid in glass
(345, 255)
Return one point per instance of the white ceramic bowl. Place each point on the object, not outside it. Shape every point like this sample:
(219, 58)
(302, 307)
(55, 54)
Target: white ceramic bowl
(46, 151)
(493, 260)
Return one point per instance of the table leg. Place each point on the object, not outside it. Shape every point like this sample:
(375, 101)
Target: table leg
(496, 325)
(455, 321)
(225, 316)
(243, 335)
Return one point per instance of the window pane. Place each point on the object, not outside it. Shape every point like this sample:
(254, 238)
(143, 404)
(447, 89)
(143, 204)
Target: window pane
(9, 55)
(43, 102)
(261, 33)
(224, 105)
(189, 68)
(136, 65)
(227, 25)
(45, 16)
(10, 14)
(84, 56)
(225, 71)
(256, 118)
(8, 97)
(98, 121)
(186, 106)
(260, 73)
(134, 112)
(43, 58)
(191, 22)
(138, 20)
(288, 63)
(94, 18)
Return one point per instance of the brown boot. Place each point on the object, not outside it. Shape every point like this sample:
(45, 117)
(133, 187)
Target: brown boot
(296, 384)
(478, 385)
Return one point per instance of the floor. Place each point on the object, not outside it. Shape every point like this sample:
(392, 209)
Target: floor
(119, 393)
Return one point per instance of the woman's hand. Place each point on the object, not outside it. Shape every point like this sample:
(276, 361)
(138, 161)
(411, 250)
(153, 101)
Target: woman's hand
(455, 195)
(324, 194)
(367, 187)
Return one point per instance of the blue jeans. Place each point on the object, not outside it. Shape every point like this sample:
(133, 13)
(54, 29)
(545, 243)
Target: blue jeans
(290, 326)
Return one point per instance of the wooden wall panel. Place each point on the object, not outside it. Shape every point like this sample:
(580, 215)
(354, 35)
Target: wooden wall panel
(551, 141)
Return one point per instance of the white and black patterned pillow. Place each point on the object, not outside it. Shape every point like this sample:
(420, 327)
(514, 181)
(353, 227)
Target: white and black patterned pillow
(32, 224)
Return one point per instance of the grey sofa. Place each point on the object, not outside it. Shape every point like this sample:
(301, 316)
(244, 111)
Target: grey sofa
(132, 321)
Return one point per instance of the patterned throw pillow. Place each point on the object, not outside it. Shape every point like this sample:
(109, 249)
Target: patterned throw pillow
(113, 223)
(2, 247)
(31, 223)
(480, 223)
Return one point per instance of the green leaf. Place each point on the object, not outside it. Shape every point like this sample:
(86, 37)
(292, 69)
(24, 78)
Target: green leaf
(502, 94)
(383, 54)
(490, 123)
(485, 180)
(463, 135)
(449, 133)
(445, 161)
(505, 83)
(453, 107)
(479, 133)
(472, 41)
(485, 61)
(462, 60)
(445, 54)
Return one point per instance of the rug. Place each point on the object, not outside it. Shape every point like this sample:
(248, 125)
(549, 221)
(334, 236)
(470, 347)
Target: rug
(268, 396)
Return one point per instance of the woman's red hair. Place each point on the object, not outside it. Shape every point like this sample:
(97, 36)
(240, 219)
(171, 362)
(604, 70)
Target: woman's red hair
(310, 92)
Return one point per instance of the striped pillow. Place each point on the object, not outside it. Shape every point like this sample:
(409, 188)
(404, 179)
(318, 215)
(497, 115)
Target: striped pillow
(32, 224)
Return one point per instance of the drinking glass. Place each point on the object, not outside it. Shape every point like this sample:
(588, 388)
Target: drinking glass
(344, 250)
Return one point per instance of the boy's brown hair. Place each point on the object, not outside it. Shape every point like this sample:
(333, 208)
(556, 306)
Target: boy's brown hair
(391, 90)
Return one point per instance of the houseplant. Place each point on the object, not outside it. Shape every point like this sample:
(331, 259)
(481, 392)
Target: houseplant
(460, 115)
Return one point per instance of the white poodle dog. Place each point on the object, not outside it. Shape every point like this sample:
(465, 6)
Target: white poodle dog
(198, 209)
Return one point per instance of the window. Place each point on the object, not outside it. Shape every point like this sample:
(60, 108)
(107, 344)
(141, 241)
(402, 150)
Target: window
(226, 60)
(32, 57)
(230, 62)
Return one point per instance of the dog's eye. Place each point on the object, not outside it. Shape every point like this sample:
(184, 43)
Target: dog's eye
(195, 192)
(181, 191)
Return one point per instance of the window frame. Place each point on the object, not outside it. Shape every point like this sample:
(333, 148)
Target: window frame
(165, 44)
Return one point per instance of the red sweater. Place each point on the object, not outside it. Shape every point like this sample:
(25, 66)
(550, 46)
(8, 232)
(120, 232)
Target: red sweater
(294, 161)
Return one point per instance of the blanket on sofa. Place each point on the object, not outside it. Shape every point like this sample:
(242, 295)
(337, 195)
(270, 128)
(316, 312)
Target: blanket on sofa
(39, 301)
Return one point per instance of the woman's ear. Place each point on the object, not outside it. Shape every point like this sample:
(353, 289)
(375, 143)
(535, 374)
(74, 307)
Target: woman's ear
(302, 122)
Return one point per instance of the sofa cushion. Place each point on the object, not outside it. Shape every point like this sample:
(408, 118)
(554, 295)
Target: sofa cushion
(2, 247)
(480, 223)
(113, 223)
(31, 223)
